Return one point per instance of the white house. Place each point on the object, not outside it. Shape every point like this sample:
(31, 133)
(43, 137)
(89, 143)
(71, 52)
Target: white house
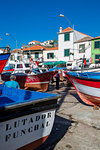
(36, 52)
(15, 55)
(50, 54)
(1, 50)
(66, 39)
(34, 42)
(82, 48)
(47, 43)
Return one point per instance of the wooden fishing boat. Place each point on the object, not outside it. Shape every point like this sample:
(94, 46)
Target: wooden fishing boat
(87, 86)
(3, 60)
(26, 118)
(37, 80)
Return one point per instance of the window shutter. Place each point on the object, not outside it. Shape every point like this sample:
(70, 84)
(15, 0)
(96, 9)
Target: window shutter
(97, 44)
(47, 55)
(66, 52)
(36, 55)
(53, 55)
(66, 37)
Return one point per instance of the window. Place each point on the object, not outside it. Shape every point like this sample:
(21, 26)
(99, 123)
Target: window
(28, 55)
(19, 66)
(96, 44)
(50, 55)
(27, 65)
(97, 58)
(66, 52)
(66, 37)
(36, 55)
(18, 57)
(82, 48)
(12, 57)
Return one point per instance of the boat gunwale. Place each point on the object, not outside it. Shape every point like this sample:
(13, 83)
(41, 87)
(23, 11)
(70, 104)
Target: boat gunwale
(21, 112)
(21, 104)
(83, 78)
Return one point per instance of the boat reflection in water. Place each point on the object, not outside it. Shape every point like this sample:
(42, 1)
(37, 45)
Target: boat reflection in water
(26, 118)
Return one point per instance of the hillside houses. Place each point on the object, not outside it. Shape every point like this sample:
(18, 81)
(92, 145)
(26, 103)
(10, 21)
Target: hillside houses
(72, 45)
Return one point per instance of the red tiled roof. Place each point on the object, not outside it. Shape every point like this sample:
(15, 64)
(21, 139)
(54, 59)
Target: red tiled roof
(96, 37)
(16, 50)
(52, 48)
(35, 41)
(3, 49)
(70, 29)
(36, 47)
(67, 29)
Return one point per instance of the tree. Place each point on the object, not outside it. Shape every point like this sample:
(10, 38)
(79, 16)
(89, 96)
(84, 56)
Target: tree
(55, 42)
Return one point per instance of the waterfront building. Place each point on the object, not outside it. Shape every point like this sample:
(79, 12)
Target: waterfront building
(66, 40)
(50, 54)
(82, 48)
(96, 50)
(36, 52)
(16, 55)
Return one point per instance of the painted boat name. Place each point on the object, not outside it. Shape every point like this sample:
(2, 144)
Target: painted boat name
(26, 126)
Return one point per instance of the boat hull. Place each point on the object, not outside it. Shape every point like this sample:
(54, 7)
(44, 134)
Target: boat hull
(26, 132)
(3, 60)
(34, 144)
(38, 82)
(26, 117)
(87, 89)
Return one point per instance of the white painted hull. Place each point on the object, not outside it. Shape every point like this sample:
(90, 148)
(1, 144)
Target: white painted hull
(87, 89)
(20, 132)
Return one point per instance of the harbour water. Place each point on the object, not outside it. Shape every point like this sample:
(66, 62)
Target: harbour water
(77, 125)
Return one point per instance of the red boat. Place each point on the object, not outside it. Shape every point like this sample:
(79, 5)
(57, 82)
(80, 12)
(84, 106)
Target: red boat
(37, 80)
(87, 86)
(3, 60)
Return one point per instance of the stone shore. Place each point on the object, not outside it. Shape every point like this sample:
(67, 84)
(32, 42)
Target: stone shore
(76, 126)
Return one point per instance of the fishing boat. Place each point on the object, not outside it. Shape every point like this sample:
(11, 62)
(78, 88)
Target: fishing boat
(3, 60)
(9, 67)
(60, 70)
(87, 86)
(26, 118)
(38, 79)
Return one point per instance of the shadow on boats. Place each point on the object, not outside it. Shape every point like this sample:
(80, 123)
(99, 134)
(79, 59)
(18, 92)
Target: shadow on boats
(59, 129)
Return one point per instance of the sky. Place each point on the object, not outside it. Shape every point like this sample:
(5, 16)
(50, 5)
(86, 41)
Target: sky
(28, 20)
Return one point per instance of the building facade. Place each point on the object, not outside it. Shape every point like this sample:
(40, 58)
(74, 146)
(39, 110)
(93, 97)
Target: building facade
(36, 52)
(82, 48)
(66, 39)
(96, 50)
(50, 54)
